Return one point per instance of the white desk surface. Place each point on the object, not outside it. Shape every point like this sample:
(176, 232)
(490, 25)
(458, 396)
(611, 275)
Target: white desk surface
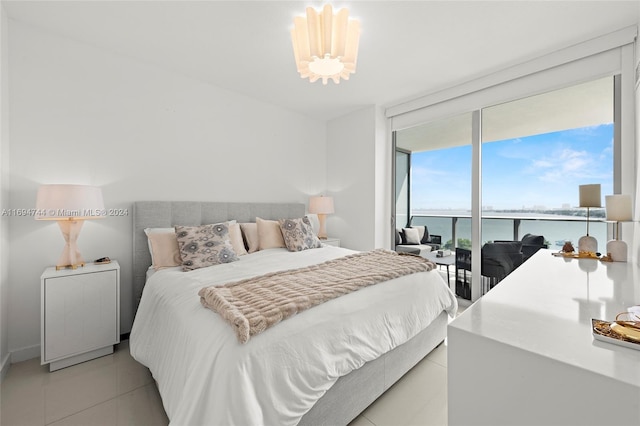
(546, 305)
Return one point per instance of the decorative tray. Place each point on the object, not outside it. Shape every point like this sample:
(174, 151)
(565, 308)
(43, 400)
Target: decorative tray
(574, 255)
(602, 331)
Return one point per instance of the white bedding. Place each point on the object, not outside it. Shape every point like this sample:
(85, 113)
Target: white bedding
(206, 377)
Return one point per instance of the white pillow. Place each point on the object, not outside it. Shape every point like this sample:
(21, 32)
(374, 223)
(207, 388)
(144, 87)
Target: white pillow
(411, 235)
(421, 230)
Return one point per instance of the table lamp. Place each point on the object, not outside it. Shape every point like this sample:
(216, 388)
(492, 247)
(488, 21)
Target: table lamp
(322, 206)
(70, 205)
(589, 197)
(618, 210)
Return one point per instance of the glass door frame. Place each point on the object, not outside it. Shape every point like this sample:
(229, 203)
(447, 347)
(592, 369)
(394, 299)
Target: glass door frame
(476, 180)
(394, 224)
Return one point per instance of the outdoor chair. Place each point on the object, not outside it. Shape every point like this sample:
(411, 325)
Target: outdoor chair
(422, 244)
(463, 273)
(530, 245)
(499, 259)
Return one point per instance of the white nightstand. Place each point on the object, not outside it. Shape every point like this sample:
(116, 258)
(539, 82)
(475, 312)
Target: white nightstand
(330, 241)
(80, 318)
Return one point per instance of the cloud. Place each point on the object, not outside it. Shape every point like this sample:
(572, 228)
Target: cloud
(536, 170)
(418, 172)
(568, 164)
(542, 164)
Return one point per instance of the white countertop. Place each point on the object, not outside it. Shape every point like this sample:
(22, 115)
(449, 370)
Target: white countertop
(546, 305)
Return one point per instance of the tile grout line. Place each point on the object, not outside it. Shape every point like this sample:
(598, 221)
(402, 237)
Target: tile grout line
(94, 405)
(436, 363)
(78, 412)
(368, 419)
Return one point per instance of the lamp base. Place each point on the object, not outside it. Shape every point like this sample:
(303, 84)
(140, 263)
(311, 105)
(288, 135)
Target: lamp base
(322, 233)
(617, 250)
(587, 244)
(70, 257)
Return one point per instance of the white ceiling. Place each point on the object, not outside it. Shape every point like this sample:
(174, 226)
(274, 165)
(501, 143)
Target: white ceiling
(407, 48)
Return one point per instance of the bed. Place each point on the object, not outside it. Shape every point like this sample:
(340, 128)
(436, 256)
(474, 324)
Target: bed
(206, 377)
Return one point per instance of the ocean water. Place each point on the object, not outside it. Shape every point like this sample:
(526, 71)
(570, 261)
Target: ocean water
(555, 230)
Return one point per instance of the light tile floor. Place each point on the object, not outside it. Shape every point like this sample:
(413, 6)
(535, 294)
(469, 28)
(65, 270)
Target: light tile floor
(117, 390)
(110, 390)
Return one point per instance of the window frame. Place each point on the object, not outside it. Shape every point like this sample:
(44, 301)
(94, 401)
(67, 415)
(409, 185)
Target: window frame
(609, 55)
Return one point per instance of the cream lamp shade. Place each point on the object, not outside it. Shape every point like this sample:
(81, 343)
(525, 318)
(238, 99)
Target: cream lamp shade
(70, 206)
(325, 46)
(322, 206)
(618, 209)
(589, 197)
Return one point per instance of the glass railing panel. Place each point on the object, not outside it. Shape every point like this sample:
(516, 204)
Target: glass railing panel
(463, 233)
(555, 231)
(497, 230)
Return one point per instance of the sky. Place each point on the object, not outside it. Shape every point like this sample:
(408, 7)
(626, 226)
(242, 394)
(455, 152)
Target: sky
(541, 171)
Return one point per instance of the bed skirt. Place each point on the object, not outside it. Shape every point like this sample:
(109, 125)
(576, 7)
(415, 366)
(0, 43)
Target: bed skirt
(353, 393)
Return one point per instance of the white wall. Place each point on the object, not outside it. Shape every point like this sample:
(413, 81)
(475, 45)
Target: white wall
(358, 177)
(4, 193)
(83, 115)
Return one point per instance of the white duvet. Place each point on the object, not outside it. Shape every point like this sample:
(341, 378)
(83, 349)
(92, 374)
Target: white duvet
(206, 377)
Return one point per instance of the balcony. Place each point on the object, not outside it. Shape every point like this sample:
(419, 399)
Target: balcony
(496, 226)
(455, 227)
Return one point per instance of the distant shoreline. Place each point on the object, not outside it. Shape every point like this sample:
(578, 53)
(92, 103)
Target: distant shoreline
(560, 214)
(498, 225)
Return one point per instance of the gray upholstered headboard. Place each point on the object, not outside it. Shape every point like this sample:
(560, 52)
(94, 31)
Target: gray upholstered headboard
(165, 214)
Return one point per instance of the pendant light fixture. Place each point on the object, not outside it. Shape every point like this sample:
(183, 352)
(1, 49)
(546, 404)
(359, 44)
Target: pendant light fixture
(325, 45)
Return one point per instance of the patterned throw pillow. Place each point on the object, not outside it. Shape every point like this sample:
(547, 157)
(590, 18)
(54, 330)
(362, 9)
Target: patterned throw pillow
(205, 245)
(298, 234)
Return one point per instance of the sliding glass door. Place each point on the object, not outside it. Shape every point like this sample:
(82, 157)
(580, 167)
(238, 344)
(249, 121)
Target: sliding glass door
(402, 184)
(440, 176)
(536, 152)
(523, 171)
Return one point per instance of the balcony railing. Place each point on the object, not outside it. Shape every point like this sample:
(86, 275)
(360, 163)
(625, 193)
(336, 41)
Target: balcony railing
(455, 228)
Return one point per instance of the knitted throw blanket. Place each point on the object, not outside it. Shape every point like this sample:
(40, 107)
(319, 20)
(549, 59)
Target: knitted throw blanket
(255, 304)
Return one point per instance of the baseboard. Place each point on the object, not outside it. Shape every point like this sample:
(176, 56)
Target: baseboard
(24, 354)
(31, 352)
(4, 366)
